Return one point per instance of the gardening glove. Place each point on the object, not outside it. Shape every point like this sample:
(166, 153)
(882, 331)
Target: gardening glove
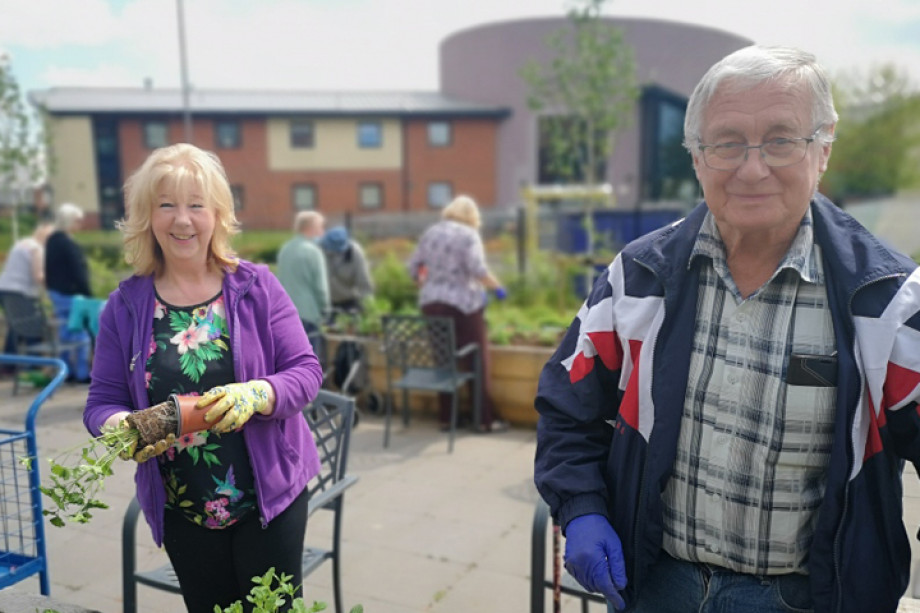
(500, 293)
(235, 403)
(155, 449)
(594, 556)
(131, 452)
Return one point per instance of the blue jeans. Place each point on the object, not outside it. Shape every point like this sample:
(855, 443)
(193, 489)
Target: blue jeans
(674, 586)
(77, 359)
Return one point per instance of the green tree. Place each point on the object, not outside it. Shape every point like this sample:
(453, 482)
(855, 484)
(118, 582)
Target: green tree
(585, 95)
(20, 143)
(877, 150)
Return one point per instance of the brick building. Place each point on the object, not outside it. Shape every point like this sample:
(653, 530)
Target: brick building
(370, 153)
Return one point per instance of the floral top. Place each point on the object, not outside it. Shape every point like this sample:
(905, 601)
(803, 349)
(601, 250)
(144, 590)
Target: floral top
(207, 475)
(455, 260)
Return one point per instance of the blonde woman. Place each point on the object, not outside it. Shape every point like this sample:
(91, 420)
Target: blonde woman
(231, 502)
(449, 264)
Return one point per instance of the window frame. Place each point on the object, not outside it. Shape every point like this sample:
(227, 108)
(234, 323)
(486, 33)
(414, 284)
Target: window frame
(434, 184)
(150, 123)
(376, 185)
(237, 129)
(449, 133)
(359, 133)
(293, 136)
(305, 185)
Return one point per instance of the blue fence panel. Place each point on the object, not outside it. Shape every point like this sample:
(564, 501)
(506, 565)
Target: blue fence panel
(612, 229)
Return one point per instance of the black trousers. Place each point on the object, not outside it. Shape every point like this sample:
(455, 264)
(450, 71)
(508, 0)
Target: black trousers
(216, 567)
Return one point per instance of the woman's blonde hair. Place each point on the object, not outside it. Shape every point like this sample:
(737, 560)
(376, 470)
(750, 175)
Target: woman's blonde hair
(463, 209)
(180, 169)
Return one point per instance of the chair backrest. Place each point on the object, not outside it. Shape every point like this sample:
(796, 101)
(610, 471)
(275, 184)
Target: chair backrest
(419, 341)
(25, 315)
(330, 417)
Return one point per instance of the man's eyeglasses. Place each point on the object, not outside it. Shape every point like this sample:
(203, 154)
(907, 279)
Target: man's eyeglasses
(776, 152)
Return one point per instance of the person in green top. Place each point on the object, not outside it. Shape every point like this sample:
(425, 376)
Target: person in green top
(302, 272)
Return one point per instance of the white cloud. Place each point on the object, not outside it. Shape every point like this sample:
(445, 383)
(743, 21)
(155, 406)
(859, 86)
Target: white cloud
(42, 24)
(382, 44)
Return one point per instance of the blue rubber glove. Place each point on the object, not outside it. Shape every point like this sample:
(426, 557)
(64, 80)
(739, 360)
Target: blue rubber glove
(500, 293)
(594, 556)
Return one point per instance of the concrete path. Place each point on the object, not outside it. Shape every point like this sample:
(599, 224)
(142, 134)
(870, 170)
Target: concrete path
(425, 531)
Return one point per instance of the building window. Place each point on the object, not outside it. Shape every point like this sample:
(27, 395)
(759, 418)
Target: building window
(237, 191)
(304, 197)
(302, 134)
(227, 134)
(439, 133)
(156, 134)
(440, 193)
(370, 195)
(370, 134)
(666, 169)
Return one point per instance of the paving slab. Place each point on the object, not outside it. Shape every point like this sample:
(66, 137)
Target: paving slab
(424, 531)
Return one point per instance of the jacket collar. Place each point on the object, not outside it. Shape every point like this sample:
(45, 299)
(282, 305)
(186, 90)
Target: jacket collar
(853, 256)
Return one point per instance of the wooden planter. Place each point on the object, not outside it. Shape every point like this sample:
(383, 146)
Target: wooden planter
(514, 373)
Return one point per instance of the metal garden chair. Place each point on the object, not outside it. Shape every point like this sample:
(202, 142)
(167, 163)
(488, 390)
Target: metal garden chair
(421, 354)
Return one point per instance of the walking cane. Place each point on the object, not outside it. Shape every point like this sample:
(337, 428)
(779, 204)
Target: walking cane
(557, 571)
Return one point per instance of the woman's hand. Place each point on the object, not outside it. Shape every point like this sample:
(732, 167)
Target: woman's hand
(235, 403)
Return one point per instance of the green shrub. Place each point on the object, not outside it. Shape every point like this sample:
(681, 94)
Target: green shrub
(393, 284)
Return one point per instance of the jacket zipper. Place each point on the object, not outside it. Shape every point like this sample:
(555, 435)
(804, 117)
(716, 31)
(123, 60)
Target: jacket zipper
(850, 460)
(640, 515)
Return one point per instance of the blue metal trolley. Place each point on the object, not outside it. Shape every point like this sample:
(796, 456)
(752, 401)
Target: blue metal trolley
(22, 529)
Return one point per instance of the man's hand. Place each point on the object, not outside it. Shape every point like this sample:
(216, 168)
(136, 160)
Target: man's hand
(235, 403)
(594, 556)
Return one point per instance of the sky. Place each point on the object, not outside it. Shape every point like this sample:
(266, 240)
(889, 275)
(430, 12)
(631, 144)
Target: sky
(356, 45)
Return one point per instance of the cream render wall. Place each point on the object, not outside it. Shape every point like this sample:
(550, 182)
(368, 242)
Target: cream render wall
(74, 179)
(335, 147)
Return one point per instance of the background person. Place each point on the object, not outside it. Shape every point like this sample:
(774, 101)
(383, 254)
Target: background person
(24, 270)
(302, 272)
(449, 264)
(347, 270)
(196, 319)
(723, 427)
(66, 276)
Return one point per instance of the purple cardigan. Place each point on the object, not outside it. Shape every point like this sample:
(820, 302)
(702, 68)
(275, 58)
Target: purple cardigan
(268, 342)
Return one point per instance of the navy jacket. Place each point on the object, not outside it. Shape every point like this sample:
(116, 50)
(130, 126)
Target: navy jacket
(610, 402)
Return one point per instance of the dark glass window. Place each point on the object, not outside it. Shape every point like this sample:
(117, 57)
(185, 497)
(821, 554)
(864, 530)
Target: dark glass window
(439, 133)
(156, 134)
(302, 134)
(227, 134)
(370, 134)
(667, 168)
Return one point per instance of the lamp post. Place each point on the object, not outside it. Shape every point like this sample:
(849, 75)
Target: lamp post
(183, 64)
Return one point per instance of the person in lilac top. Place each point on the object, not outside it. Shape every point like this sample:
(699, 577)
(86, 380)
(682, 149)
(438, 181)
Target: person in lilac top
(229, 502)
(449, 265)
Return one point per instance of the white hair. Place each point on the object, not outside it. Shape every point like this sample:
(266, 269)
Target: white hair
(67, 216)
(751, 66)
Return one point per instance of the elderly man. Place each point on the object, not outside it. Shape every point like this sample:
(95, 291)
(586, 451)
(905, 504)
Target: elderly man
(723, 426)
(302, 272)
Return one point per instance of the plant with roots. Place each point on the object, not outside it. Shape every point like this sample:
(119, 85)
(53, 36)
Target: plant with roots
(77, 474)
